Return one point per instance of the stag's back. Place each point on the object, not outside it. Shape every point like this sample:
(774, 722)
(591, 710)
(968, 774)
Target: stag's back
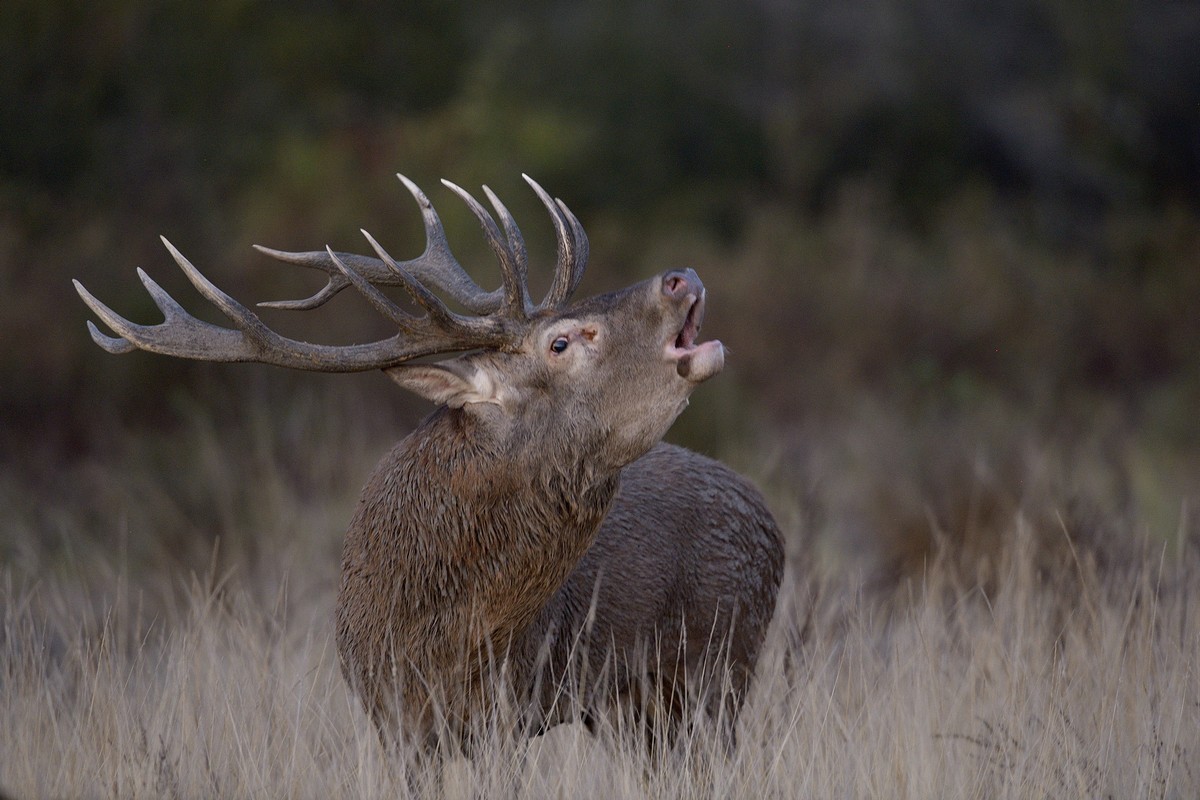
(681, 581)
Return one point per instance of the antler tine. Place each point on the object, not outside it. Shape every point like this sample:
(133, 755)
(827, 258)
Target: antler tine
(112, 344)
(582, 247)
(516, 243)
(243, 318)
(568, 262)
(112, 319)
(496, 331)
(420, 294)
(438, 266)
(370, 268)
(376, 298)
(510, 270)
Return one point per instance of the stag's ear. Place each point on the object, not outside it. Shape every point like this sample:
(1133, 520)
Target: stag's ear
(454, 383)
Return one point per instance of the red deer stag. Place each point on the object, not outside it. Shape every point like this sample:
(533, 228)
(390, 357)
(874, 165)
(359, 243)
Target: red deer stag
(534, 525)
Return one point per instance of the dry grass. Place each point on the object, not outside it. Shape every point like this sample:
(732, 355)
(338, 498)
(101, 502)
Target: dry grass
(134, 668)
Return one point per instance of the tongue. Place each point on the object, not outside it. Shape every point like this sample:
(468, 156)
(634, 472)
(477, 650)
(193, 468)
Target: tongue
(687, 336)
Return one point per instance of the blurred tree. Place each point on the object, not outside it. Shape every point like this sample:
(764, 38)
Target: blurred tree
(664, 122)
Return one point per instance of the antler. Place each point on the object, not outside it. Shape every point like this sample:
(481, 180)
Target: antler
(438, 268)
(503, 313)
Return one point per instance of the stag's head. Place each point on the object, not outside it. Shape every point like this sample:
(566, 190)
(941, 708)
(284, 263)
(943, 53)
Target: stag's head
(607, 375)
(602, 378)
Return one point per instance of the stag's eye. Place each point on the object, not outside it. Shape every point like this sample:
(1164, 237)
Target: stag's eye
(560, 344)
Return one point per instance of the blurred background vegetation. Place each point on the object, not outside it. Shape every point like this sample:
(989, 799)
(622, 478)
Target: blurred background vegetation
(953, 247)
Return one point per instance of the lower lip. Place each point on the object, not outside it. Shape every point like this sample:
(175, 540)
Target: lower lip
(684, 357)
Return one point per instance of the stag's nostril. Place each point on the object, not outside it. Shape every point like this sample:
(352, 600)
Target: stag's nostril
(676, 284)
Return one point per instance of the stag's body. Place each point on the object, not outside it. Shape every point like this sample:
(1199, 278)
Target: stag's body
(531, 529)
(591, 595)
(672, 599)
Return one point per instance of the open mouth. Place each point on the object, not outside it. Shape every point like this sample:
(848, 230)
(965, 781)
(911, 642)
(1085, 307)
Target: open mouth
(695, 362)
(686, 340)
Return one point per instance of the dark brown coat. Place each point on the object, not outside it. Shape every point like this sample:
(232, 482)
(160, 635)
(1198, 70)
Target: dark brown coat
(688, 563)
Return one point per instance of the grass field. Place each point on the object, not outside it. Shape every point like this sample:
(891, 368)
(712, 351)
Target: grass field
(167, 632)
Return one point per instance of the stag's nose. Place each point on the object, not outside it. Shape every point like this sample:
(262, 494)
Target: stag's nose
(679, 283)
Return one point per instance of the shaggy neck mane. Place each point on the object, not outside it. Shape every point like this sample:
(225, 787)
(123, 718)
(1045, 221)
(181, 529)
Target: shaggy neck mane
(461, 538)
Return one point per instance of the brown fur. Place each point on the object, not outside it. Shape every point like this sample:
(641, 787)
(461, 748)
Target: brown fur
(449, 555)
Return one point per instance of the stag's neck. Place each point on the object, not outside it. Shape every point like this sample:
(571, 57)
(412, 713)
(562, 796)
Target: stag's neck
(532, 476)
(467, 537)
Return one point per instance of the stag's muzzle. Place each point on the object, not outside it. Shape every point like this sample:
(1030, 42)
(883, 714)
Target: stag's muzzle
(694, 362)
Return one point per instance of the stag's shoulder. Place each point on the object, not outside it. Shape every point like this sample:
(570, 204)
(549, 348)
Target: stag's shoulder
(675, 471)
(705, 501)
